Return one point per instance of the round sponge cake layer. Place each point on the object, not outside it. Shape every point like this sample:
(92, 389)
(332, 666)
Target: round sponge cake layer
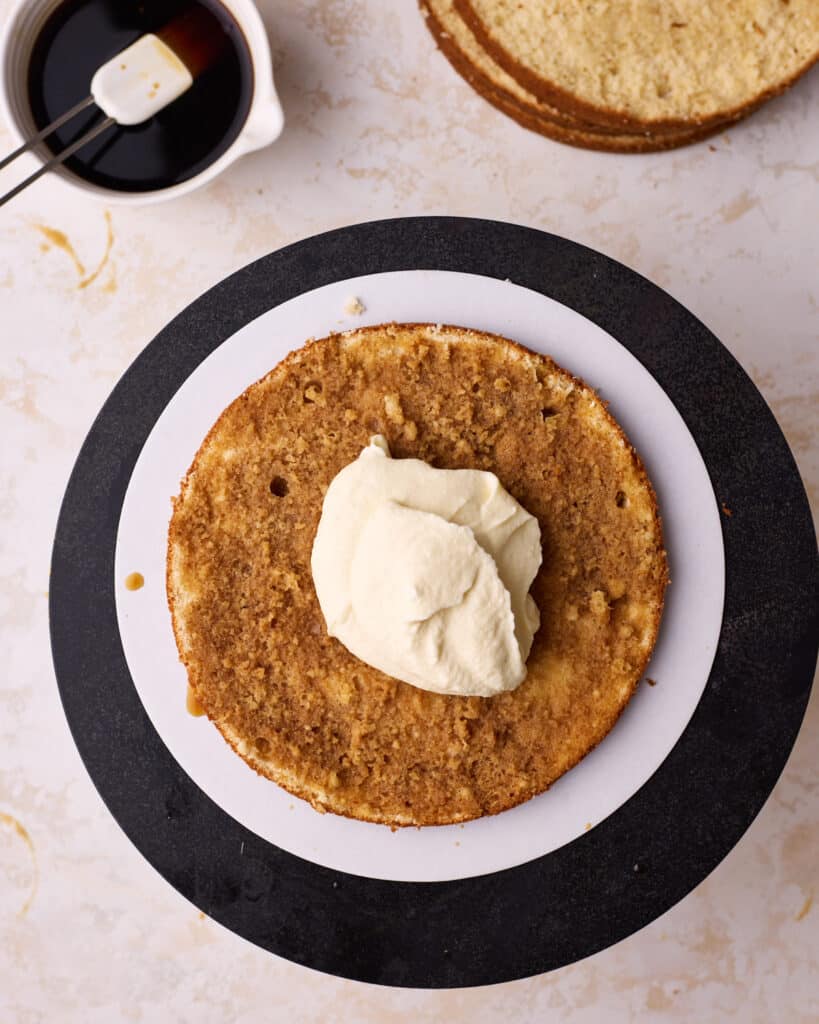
(459, 45)
(292, 701)
(653, 62)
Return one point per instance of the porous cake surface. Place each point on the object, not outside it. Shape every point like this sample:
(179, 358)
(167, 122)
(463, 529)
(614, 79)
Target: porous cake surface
(292, 701)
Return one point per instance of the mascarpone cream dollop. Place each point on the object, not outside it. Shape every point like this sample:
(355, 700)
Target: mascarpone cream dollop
(424, 573)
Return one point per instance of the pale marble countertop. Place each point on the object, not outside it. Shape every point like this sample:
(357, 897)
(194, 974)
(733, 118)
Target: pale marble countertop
(378, 125)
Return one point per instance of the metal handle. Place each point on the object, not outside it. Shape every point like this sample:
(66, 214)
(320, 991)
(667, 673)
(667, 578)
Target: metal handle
(49, 128)
(64, 154)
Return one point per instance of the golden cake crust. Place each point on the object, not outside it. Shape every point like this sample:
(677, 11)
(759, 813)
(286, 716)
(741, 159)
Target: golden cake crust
(292, 701)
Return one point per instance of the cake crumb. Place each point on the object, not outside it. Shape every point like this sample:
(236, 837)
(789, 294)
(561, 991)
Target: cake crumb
(587, 826)
(651, 682)
(354, 306)
(726, 511)
(392, 407)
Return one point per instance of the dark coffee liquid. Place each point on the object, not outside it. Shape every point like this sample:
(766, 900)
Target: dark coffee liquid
(175, 144)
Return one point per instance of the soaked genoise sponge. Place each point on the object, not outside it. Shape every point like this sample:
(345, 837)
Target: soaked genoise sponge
(658, 63)
(292, 701)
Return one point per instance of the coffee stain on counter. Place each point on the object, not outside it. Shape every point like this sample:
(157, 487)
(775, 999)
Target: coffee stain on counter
(60, 240)
(15, 826)
(805, 908)
(738, 207)
(57, 239)
(109, 245)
